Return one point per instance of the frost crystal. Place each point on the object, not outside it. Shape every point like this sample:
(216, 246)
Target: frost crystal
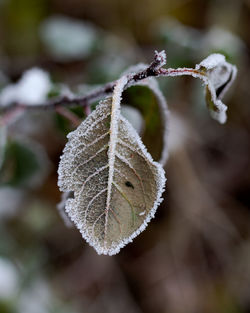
(211, 61)
(31, 89)
(161, 58)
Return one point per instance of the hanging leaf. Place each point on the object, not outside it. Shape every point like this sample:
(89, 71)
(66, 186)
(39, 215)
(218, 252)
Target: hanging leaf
(116, 184)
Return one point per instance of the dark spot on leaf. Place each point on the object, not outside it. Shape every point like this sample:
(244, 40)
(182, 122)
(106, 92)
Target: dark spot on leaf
(70, 195)
(128, 184)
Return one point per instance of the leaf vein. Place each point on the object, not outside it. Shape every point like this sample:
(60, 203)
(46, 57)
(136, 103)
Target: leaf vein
(123, 160)
(91, 201)
(88, 179)
(126, 198)
(91, 158)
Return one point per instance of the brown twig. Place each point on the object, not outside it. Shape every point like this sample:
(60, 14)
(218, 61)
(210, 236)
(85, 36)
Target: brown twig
(11, 115)
(72, 117)
(154, 69)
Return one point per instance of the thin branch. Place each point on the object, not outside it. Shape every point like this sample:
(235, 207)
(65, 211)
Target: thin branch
(153, 70)
(12, 115)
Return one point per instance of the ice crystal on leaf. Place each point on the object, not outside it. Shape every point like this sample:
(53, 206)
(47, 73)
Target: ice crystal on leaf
(116, 184)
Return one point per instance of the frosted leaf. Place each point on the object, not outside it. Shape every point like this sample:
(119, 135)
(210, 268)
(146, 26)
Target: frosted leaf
(212, 61)
(67, 38)
(219, 77)
(117, 186)
(153, 85)
(31, 89)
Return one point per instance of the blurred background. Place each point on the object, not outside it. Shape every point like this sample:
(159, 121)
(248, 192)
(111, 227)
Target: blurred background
(195, 255)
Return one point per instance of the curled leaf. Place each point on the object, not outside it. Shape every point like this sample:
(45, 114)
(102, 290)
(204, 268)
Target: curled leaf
(219, 77)
(116, 184)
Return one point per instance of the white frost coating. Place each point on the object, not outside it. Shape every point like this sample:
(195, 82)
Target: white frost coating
(31, 89)
(160, 187)
(153, 85)
(219, 72)
(220, 116)
(66, 182)
(115, 115)
(161, 57)
(211, 61)
(219, 77)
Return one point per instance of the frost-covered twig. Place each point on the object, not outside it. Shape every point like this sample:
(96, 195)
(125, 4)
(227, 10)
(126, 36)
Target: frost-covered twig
(209, 71)
(154, 69)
